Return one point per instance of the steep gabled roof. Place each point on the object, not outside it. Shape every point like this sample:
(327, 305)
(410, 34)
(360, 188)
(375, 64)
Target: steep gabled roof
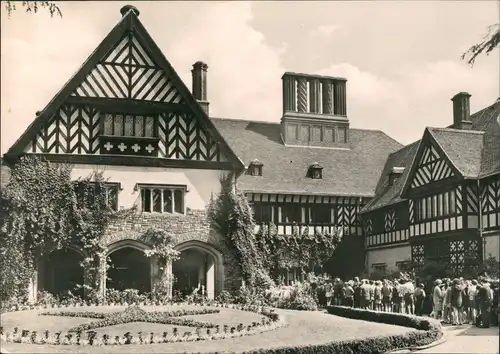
(346, 172)
(475, 153)
(488, 120)
(462, 147)
(129, 23)
(388, 194)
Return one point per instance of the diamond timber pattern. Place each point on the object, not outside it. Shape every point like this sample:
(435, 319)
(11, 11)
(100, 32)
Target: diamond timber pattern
(431, 168)
(128, 72)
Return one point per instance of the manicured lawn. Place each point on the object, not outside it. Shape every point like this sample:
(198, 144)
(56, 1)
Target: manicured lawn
(303, 328)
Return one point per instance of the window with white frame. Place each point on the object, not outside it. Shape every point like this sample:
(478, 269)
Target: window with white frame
(162, 199)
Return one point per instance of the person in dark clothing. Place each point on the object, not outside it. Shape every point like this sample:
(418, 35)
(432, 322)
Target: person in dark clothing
(456, 302)
(419, 300)
(357, 295)
(484, 302)
(494, 305)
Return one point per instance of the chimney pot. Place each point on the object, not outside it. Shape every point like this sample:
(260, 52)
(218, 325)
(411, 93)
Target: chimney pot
(461, 111)
(199, 88)
(125, 9)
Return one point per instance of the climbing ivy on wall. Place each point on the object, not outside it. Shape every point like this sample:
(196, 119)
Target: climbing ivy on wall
(263, 254)
(308, 251)
(44, 210)
(231, 215)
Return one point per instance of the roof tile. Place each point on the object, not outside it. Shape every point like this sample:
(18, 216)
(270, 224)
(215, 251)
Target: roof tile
(352, 171)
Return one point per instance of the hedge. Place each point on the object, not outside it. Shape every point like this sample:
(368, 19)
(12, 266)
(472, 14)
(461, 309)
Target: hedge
(428, 331)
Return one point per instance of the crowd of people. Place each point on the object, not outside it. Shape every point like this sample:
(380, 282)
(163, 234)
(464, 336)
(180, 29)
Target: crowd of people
(454, 301)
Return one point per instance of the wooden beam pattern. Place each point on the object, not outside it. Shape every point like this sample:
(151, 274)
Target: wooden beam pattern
(128, 72)
(431, 168)
(390, 220)
(75, 129)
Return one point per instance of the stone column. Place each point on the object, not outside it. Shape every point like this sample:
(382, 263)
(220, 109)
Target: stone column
(101, 274)
(210, 276)
(168, 273)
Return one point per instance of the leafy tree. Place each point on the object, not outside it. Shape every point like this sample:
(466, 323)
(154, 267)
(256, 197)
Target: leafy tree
(33, 7)
(487, 45)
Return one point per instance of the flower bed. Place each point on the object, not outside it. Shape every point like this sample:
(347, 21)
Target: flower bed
(203, 331)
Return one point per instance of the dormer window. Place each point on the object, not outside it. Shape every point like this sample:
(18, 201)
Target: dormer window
(255, 168)
(315, 171)
(395, 173)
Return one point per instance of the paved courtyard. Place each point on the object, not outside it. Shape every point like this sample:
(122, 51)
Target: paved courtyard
(468, 339)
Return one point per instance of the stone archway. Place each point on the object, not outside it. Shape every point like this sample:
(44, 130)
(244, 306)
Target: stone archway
(199, 264)
(129, 267)
(60, 271)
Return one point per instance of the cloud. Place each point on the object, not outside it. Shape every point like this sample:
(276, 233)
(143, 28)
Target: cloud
(40, 54)
(324, 31)
(414, 97)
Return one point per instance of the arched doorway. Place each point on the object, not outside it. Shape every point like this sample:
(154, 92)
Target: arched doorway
(61, 272)
(199, 265)
(129, 268)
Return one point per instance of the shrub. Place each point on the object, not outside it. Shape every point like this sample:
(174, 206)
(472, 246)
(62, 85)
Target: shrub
(294, 297)
(429, 331)
(397, 319)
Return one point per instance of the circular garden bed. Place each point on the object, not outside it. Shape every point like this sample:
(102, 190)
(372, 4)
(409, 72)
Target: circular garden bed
(206, 329)
(117, 325)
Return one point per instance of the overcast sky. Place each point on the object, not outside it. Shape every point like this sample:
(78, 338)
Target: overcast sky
(401, 59)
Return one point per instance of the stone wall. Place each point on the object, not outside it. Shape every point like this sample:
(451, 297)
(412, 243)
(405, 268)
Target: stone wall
(194, 225)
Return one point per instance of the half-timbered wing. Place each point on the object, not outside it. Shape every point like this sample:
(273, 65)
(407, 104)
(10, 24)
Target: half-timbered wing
(127, 102)
(431, 167)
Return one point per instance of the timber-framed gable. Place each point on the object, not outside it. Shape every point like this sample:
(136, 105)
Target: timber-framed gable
(431, 169)
(126, 104)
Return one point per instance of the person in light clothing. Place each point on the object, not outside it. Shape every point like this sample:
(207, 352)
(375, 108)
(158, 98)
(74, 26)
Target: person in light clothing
(408, 297)
(472, 294)
(386, 296)
(437, 299)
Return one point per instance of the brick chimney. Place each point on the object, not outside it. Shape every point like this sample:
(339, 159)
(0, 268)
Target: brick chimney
(314, 110)
(199, 72)
(461, 111)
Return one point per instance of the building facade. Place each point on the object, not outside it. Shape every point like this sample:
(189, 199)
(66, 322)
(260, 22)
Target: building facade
(439, 198)
(127, 113)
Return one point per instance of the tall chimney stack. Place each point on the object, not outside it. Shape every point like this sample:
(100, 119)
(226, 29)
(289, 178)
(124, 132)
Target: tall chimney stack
(461, 111)
(199, 73)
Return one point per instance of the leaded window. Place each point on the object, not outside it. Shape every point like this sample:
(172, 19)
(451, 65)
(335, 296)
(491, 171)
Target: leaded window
(128, 125)
(162, 199)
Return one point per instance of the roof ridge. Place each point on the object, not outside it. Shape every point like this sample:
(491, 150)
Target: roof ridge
(244, 120)
(452, 130)
(404, 147)
(481, 111)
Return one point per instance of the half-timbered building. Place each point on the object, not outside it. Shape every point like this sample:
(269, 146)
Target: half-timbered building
(439, 198)
(127, 113)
